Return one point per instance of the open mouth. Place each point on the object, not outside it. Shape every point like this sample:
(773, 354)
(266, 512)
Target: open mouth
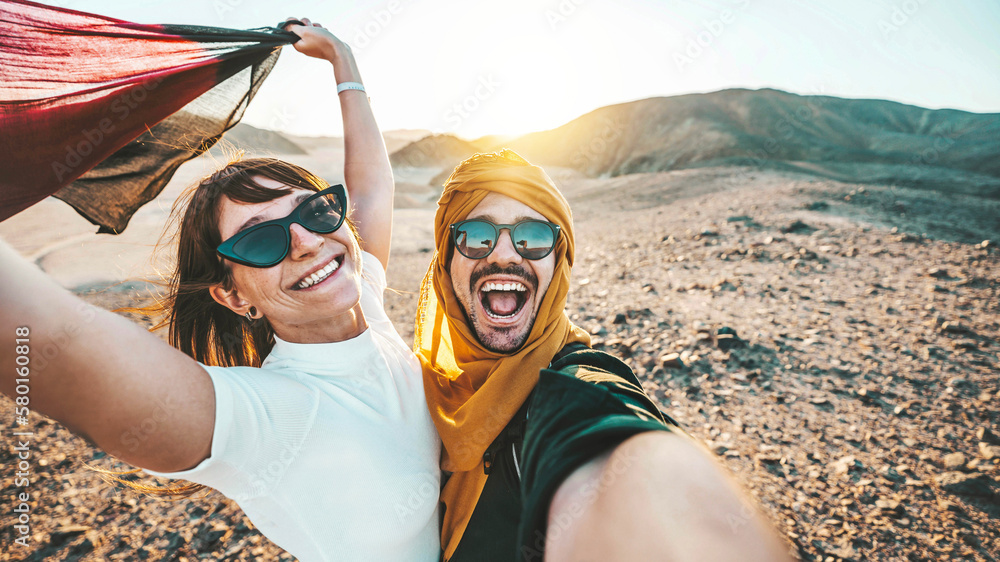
(503, 301)
(320, 275)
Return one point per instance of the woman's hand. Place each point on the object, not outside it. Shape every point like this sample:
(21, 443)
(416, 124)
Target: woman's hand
(317, 41)
(367, 172)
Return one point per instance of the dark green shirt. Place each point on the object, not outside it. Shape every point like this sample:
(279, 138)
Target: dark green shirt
(585, 403)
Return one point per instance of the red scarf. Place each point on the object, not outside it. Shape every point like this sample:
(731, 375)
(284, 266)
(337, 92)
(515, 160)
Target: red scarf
(102, 112)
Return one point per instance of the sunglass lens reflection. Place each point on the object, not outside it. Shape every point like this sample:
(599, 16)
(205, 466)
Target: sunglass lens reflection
(323, 214)
(532, 239)
(476, 239)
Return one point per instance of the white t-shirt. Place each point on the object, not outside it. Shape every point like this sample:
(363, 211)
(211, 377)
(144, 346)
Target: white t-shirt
(328, 448)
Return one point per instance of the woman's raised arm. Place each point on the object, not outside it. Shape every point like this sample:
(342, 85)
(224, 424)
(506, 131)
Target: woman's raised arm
(102, 376)
(367, 172)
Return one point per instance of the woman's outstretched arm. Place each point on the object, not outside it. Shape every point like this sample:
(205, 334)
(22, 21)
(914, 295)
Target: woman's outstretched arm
(102, 376)
(367, 172)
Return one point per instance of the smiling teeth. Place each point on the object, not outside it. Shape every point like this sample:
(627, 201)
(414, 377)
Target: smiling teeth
(318, 276)
(503, 287)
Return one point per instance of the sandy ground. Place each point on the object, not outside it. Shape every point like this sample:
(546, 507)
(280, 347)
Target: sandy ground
(835, 345)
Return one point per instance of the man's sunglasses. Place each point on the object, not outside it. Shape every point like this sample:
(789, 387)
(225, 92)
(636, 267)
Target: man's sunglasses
(266, 244)
(477, 238)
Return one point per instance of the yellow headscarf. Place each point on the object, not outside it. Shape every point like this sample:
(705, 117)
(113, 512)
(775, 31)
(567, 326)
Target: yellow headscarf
(472, 393)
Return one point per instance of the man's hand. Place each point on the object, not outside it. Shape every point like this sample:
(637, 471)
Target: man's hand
(657, 496)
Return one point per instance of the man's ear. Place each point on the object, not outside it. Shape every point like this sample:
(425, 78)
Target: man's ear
(230, 299)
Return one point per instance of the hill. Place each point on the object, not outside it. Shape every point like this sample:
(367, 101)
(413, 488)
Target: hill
(253, 139)
(434, 151)
(844, 139)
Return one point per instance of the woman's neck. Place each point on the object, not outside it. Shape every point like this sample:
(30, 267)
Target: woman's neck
(347, 326)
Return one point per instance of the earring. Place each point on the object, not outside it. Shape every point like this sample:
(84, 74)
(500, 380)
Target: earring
(250, 314)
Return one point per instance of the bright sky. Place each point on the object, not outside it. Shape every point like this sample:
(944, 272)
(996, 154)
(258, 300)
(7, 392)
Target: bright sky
(517, 66)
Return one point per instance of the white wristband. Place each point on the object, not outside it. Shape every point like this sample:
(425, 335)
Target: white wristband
(344, 86)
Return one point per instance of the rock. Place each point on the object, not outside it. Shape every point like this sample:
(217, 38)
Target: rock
(639, 313)
(938, 273)
(989, 451)
(890, 507)
(954, 461)
(218, 532)
(626, 348)
(648, 362)
(86, 546)
(945, 505)
(891, 474)
(620, 319)
(984, 434)
(955, 328)
(174, 541)
(671, 361)
(868, 395)
(958, 382)
(724, 286)
(60, 535)
(964, 484)
(844, 551)
(844, 465)
(725, 342)
(798, 227)
(767, 458)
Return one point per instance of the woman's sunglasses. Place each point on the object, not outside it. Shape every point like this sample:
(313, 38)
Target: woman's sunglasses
(477, 238)
(266, 244)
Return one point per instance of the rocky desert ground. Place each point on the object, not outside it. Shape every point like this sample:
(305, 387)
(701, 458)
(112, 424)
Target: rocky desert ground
(835, 345)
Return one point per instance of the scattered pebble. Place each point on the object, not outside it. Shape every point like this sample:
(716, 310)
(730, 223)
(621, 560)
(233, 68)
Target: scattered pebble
(953, 461)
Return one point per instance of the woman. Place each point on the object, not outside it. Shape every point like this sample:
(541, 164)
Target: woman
(290, 391)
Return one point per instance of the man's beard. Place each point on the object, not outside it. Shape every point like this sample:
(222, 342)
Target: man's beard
(494, 338)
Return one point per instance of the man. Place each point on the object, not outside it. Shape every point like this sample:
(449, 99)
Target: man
(554, 449)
